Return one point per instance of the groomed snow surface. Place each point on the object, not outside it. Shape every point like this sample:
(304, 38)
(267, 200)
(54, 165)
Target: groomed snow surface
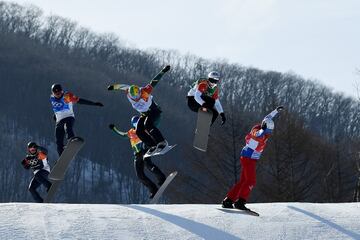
(85, 221)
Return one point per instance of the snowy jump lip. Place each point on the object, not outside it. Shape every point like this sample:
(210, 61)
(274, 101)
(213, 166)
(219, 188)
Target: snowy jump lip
(178, 221)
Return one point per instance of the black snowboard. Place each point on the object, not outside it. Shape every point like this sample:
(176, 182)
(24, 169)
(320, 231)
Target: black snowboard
(58, 172)
(202, 130)
(161, 190)
(235, 210)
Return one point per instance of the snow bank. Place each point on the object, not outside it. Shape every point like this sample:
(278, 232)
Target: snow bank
(85, 221)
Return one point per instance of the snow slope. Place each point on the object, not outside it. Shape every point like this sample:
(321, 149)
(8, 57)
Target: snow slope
(85, 221)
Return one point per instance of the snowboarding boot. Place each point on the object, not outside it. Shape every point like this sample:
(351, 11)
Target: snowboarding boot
(227, 203)
(161, 145)
(151, 150)
(240, 204)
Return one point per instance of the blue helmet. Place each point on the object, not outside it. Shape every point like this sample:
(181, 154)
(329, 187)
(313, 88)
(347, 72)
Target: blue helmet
(134, 121)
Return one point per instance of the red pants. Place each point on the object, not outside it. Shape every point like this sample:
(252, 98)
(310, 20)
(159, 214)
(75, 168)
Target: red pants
(247, 181)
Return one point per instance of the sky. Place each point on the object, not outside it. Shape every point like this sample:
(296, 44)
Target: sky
(316, 39)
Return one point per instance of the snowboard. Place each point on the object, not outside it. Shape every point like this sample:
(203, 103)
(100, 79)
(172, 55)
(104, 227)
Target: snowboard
(202, 129)
(165, 150)
(235, 210)
(53, 189)
(57, 174)
(161, 190)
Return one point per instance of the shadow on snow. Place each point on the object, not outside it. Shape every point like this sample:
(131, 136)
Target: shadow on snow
(200, 229)
(351, 234)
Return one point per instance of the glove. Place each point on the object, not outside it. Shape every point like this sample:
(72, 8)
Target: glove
(99, 104)
(165, 69)
(110, 88)
(223, 118)
(206, 105)
(280, 108)
(263, 126)
(111, 126)
(25, 163)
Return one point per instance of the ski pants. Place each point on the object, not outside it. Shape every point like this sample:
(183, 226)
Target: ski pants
(146, 127)
(194, 105)
(139, 163)
(64, 126)
(242, 189)
(41, 177)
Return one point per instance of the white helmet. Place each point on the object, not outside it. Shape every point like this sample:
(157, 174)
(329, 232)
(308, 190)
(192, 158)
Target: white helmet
(269, 123)
(214, 75)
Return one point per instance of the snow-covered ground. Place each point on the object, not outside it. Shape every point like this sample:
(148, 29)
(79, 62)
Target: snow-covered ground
(85, 221)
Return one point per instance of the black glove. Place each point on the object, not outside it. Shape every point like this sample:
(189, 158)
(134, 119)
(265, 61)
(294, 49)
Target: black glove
(110, 88)
(207, 105)
(223, 118)
(165, 69)
(263, 126)
(99, 104)
(280, 108)
(25, 163)
(111, 126)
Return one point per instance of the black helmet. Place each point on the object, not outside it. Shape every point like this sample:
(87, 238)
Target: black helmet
(56, 87)
(32, 145)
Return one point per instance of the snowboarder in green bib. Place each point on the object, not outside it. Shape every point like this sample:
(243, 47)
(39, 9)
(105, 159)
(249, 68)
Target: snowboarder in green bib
(140, 149)
(142, 101)
(205, 93)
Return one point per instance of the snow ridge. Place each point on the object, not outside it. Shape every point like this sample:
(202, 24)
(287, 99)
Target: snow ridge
(179, 221)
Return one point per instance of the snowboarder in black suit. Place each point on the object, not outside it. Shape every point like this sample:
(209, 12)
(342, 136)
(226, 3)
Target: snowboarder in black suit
(140, 149)
(36, 160)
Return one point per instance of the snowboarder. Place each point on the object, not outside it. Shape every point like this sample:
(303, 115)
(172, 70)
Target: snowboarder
(140, 149)
(62, 105)
(36, 159)
(255, 143)
(142, 101)
(205, 93)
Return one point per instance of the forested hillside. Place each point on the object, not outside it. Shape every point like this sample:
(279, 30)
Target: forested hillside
(312, 155)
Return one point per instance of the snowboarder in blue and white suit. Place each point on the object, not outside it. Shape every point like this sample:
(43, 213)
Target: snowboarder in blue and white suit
(62, 105)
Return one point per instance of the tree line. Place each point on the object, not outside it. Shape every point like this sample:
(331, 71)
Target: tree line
(312, 155)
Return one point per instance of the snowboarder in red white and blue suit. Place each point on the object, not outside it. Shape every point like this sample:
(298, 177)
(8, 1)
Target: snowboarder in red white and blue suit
(62, 105)
(255, 143)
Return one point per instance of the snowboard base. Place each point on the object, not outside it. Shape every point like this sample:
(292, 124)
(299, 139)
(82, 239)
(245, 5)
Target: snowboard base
(202, 129)
(161, 190)
(53, 189)
(235, 210)
(57, 174)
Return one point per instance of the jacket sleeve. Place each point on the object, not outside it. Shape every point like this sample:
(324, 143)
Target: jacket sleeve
(158, 76)
(218, 106)
(86, 102)
(259, 133)
(120, 133)
(200, 88)
(271, 115)
(70, 97)
(198, 98)
(43, 150)
(42, 156)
